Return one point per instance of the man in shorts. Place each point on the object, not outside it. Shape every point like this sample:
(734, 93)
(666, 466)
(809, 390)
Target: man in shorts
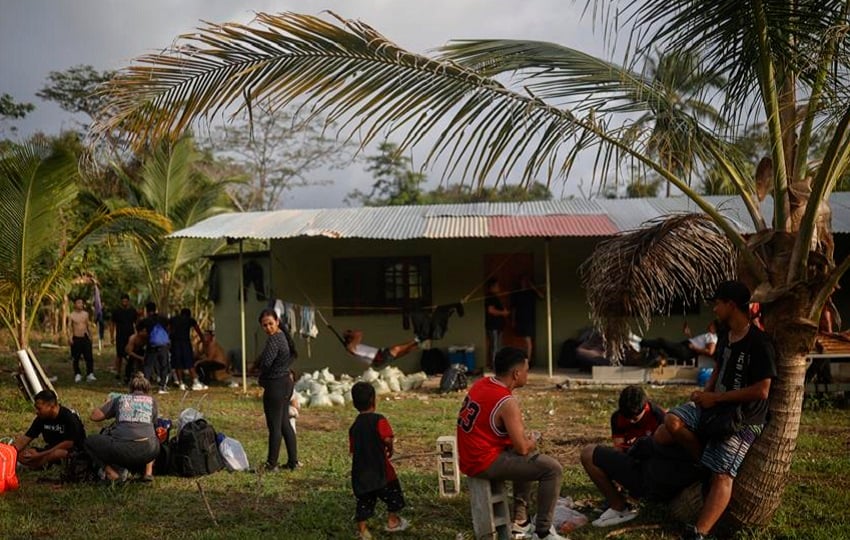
(744, 367)
(81, 341)
(373, 356)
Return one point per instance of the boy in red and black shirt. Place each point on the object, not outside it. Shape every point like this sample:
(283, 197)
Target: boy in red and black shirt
(636, 417)
(370, 440)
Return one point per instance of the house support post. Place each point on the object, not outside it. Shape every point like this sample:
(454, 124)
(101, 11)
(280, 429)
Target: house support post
(548, 307)
(242, 321)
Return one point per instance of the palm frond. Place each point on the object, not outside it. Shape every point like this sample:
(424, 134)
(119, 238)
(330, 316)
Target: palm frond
(723, 33)
(37, 182)
(636, 275)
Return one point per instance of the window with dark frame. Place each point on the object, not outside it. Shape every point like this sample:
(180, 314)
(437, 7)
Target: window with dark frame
(380, 285)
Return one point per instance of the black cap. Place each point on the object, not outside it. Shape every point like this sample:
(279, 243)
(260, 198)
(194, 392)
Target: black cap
(733, 291)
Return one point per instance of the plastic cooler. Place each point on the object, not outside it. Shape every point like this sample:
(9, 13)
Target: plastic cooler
(462, 354)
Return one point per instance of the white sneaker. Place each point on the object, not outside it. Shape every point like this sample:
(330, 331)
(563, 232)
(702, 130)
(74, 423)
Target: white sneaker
(551, 536)
(613, 517)
(78, 378)
(198, 385)
(162, 391)
(181, 386)
(90, 377)
(522, 531)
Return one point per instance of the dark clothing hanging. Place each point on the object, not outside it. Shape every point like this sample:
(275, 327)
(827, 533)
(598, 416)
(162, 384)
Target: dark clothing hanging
(252, 275)
(214, 289)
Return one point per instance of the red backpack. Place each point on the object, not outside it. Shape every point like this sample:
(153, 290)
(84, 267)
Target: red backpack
(8, 462)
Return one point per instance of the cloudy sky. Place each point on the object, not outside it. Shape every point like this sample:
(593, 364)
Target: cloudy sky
(39, 36)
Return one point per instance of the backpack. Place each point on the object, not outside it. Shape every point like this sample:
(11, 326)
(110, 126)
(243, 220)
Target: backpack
(434, 361)
(158, 336)
(164, 463)
(453, 379)
(8, 461)
(194, 450)
(79, 467)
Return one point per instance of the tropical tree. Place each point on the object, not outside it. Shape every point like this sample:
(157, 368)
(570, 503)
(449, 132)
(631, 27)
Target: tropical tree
(39, 238)
(279, 150)
(170, 182)
(500, 106)
(11, 110)
(688, 88)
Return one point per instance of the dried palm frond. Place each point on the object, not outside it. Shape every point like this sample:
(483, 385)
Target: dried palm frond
(633, 276)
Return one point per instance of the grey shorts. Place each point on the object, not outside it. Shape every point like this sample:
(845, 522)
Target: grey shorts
(720, 456)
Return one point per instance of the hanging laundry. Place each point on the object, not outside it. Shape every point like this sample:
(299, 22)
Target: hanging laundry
(308, 322)
(252, 275)
(289, 317)
(308, 326)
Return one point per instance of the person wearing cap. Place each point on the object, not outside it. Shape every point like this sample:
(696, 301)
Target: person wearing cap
(744, 367)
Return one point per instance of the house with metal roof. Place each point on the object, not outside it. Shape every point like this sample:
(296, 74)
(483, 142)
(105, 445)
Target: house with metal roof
(366, 267)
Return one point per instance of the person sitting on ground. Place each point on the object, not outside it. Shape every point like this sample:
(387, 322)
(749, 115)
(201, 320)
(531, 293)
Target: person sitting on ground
(739, 385)
(493, 444)
(687, 349)
(211, 362)
(636, 417)
(373, 356)
(60, 427)
(131, 443)
(370, 442)
(646, 471)
(135, 348)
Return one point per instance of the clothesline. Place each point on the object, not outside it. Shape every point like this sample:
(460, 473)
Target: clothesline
(400, 310)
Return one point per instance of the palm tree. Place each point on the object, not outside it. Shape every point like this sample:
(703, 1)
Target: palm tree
(785, 62)
(171, 184)
(37, 245)
(686, 85)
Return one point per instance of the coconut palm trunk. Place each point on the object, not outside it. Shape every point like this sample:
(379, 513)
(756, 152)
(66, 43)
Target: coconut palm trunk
(761, 481)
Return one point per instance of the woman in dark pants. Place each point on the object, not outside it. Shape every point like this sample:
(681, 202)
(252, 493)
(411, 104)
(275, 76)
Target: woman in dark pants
(276, 379)
(131, 442)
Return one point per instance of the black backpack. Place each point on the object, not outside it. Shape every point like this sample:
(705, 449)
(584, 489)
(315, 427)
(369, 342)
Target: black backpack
(434, 361)
(194, 451)
(79, 467)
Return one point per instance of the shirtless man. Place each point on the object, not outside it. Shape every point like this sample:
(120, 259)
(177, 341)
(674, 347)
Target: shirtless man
(81, 341)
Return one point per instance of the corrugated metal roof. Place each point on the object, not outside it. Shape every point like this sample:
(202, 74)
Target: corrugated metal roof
(569, 217)
(550, 226)
(456, 227)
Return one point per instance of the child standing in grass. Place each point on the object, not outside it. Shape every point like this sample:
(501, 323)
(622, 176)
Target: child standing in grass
(370, 441)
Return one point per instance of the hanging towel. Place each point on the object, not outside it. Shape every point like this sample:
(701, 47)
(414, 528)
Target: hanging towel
(308, 322)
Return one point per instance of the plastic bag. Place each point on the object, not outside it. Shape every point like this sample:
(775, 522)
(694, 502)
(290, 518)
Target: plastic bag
(187, 417)
(565, 519)
(233, 455)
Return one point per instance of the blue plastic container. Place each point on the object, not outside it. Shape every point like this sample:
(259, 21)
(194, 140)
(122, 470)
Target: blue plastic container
(462, 355)
(704, 375)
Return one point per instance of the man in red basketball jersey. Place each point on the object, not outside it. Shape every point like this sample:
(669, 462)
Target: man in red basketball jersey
(493, 444)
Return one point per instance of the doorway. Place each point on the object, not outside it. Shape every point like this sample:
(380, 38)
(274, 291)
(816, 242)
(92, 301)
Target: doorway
(508, 269)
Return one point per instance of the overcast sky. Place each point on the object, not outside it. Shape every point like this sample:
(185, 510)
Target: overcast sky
(39, 36)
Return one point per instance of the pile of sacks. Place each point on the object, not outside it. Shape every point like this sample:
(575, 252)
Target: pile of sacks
(324, 389)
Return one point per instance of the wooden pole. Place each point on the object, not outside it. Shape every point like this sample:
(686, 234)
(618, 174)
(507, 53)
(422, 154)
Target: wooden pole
(549, 307)
(242, 320)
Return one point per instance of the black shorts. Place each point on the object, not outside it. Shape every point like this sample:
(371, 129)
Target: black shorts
(621, 468)
(382, 357)
(391, 494)
(181, 355)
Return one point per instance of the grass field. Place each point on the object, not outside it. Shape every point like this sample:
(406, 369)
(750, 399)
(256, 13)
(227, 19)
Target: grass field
(315, 501)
